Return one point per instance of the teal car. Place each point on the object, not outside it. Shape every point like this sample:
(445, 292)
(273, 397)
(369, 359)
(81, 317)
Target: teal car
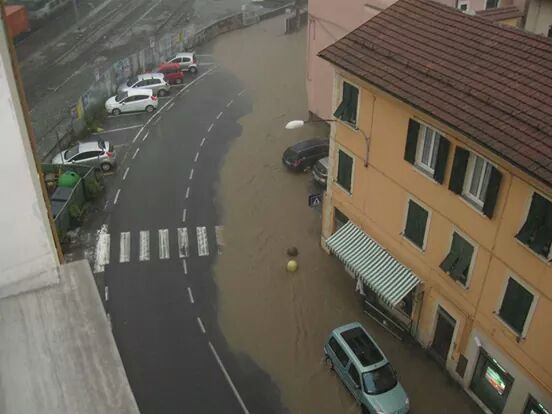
(365, 371)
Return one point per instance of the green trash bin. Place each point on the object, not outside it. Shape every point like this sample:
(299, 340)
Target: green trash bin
(68, 179)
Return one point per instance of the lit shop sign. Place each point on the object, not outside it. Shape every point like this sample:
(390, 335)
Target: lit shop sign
(494, 378)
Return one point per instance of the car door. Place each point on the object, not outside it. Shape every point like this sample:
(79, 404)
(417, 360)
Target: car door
(339, 358)
(155, 85)
(141, 84)
(141, 102)
(185, 63)
(87, 157)
(127, 104)
(353, 381)
(177, 60)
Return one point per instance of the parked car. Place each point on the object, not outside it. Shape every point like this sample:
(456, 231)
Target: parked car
(153, 81)
(365, 371)
(131, 101)
(99, 154)
(171, 72)
(187, 61)
(320, 171)
(303, 155)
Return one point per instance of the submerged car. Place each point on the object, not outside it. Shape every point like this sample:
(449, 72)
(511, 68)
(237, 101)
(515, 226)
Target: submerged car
(320, 171)
(303, 155)
(365, 371)
(131, 101)
(98, 154)
(153, 81)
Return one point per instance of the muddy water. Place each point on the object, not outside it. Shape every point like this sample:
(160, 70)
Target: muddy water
(278, 319)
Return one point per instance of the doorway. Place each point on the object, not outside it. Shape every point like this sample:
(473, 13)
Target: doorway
(442, 338)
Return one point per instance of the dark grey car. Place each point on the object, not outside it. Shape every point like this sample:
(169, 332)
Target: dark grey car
(303, 155)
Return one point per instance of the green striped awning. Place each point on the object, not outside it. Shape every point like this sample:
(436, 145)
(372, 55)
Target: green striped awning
(370, 262)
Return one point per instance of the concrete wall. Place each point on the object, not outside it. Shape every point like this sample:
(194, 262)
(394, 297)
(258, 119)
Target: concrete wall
(539, 16)
(28, 254)
(378, 204)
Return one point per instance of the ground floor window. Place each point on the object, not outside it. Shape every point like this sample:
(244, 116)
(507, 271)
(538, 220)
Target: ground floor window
(491, 383)
(534, 407)
(339, 219)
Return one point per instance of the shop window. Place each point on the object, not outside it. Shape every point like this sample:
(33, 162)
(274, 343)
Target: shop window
(347, 109)
(457, 263)
(416, 222)
(536, 232)
(491, 383)
(345, 171)
(516, 304)
(534, 407)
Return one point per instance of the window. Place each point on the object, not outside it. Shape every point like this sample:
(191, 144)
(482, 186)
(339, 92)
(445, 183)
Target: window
(515, 307)
(534, 407)
(353, 373)
(536, 233)
(339, 352)
(457, 263)
(549, 31)
(87, 155)
(344, 170)
(476, 179)
(379, 380)
(347, 109)
(416, 221)
(491, 383)
(186, 60)
(427, 149)
(339, 219)
(462, 5)
(141, 83)
(491, 4)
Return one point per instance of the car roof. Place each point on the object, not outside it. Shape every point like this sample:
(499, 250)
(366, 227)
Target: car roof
(324, 161)
(168, 66)
(184, 54)
(143, 76)
(313, 142)
(361, 344)
(138, 91)
(89, 146)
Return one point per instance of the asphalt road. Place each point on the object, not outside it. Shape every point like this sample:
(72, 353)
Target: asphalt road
(163, 235)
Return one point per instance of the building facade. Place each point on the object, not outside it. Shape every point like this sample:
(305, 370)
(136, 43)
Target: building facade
(439, 197)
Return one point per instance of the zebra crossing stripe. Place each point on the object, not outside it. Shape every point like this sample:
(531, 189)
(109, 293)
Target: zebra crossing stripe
(220, 239)
(124, 251)
(102, 249)
(183, 243)
(144, 245)
(163, 243)
(202, 246)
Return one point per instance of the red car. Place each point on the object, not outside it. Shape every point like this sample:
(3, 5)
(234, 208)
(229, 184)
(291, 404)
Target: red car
(172, 72)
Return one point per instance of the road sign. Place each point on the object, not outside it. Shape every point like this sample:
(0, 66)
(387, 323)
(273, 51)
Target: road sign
(315, 200)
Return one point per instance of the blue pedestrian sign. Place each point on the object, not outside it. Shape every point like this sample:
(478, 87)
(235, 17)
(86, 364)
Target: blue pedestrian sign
(315, 200)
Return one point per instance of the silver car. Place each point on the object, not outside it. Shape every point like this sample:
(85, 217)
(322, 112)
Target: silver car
(187, 61)
(98, 154)
(153, 81)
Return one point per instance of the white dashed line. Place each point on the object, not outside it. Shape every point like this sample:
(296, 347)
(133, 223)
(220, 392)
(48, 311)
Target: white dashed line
(136, 152)
(187, 192)
(126, 173)
(234, 389)
(170, 106)
(219, 115)
(202, 142)
(185, 266)
(191, 174)
(230, 103)
(241, 92)
(157, 119)
(184, 216)
(200, 323)
(190, 295)
(196, 157)
(210, 127)
(145, 136)
(117, 196)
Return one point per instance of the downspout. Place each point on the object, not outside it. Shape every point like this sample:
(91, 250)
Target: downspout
(367, 136)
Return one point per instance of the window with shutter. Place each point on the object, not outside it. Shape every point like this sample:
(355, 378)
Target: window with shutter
(416, 221)
(459, 165)
(478, 174)
(515, 306)
(344, 170)
(536, 232)
(347, 109)
(458, 261)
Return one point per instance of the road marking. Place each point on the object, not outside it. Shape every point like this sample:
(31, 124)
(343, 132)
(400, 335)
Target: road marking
(196, 156)
(136, 152)
(202, 142)
(191, 174)
(185, 88)
(124, 253)
(106, 293)
(219, 115)
(187, 192)
(220, 239)
(185, 266)
(102, 249)
(163, 244)
(183, 243)
(107, 131)
(200, 323)
(241, 92)
(184, 216)
(210, 127)
(190, 295)
(145, 136)
(229, 103)
(234, 389)
(157, 118)
(170, 106)
(117, 196)
(125, 174)
(144, 245)
(202, 244)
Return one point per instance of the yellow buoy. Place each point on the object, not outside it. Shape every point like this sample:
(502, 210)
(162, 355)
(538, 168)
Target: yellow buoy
(292, 266)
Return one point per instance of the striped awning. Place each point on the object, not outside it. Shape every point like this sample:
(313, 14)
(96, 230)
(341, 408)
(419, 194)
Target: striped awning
(370, 262)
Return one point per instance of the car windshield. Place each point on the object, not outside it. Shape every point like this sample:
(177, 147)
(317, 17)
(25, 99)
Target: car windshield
(121, 96)
(379, 380)
(71, 152)
(132, 81)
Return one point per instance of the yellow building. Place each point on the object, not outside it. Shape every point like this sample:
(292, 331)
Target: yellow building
(439, 196)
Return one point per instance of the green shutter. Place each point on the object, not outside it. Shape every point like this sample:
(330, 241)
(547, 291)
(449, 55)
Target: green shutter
(492, 192)
(543, 235)
(441, 162)
(459, 166)
(449, 261)
(416, 224)
(515, 305)
(535, 217)
(411, 141)
(344, 170)
(347, 109)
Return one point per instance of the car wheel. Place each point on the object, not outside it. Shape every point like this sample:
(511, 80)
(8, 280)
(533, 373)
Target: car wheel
(162, 92)
(193, 70)
(329, 363)
(106, 167)
(150, 109)
(178, 81)
(116, 112)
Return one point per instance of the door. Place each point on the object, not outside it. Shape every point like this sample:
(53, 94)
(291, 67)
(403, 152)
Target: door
(185, 63)
(353, 381)
(442, 339)
(127, 104)
(88, 158)
(339, 359)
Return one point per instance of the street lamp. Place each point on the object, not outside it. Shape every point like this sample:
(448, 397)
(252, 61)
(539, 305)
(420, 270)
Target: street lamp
(299, 123)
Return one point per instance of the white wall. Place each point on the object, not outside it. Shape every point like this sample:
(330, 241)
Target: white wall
(28, 256)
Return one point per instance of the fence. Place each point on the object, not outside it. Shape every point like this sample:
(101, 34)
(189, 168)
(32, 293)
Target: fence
(91, 103)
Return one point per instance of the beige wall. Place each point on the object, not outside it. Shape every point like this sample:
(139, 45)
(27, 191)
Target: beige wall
(539, 16)
(378, 204)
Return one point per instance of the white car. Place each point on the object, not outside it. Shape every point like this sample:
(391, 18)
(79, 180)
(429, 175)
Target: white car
(132, 100)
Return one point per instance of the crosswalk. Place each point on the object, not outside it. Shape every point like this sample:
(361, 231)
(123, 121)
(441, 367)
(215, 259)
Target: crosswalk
(146, 245)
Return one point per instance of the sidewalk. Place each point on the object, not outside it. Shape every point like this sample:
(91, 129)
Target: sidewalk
(281, 320)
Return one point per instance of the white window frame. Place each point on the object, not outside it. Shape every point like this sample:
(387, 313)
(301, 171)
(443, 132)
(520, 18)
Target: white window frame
(405, 219)
(469, 177)
(510, 275)
(436, 136)
(339, 97)
(473, 259)
(350, 154)
(461, 3)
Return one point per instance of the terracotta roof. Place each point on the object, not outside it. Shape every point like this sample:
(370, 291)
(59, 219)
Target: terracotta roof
(501, 13)
(491, 83)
